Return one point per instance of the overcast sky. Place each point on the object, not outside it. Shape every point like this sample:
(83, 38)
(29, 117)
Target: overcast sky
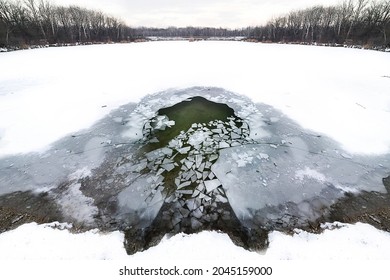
(181, 13)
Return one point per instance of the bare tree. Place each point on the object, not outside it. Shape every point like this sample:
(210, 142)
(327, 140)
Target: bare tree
(355, 13)
(6, 18)
(36, 15)
(385, 20)
(49, 19)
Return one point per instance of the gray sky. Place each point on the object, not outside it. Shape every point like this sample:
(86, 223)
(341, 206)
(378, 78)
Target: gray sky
(181, 13)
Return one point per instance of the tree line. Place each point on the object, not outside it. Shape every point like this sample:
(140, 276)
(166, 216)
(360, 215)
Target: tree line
(29, 22)
(362, 22)
(188, 32)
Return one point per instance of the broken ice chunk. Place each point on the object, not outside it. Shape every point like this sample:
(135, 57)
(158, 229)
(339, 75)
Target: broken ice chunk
(237, 131)
(193, 178)
(170, 123)
(217, 131)
(184, 150)
(205, 197)
(347, 156)
(185, 184)
(168, 167)
(223, 145)
(190, 174)
(213, 157)
(138, 167)
(170, 198)
(166, 161)
(191, 158)
(200, 187)
(188, 164)
(167, 151)
(195, 224)
(176, 218)
(185, 191)
(201, 167)
(191, 204)
(195, 193)
(220, 198)
(212, 185)
(235, 135)
(263, 156)
(198, 160)
(197, 213)
(184, 212)
(175, 143)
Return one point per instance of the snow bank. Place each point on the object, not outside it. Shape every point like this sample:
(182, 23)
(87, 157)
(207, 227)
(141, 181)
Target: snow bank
(339, 241)
(349, 242)
(48, 93)
(47, 242)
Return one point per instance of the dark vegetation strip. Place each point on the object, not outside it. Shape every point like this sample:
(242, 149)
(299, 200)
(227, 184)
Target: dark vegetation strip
(27, 23)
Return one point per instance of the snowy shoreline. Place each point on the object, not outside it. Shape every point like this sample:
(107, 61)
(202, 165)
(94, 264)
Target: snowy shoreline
(338, 242)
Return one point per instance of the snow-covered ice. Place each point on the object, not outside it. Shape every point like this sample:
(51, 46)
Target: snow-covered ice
(313, 85)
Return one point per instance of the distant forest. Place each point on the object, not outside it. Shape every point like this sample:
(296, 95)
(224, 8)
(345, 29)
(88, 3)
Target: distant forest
(25, 23)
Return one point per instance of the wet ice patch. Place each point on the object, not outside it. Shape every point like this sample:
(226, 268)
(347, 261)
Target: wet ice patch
(284, 176)
(309, 173)
(81, 173)
(292, 173)
(134, 123)
(78, 206)
(143, 197)
(242, 159)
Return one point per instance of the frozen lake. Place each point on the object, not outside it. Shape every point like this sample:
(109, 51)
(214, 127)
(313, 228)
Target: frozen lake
(244, 168)
(304, 131)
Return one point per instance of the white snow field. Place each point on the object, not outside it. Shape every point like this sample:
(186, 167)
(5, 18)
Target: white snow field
(54, 242)
(46, 94)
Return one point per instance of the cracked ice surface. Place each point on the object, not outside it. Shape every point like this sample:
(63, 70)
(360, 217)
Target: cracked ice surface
(278, 170)
(138, 199)
(292, 173)
(268, 169)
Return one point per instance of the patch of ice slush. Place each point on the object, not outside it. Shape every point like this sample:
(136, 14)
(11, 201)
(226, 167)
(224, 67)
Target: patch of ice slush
(81, 173)
(242, 159)
(198, 137)
(310, 173)
(78, 206)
